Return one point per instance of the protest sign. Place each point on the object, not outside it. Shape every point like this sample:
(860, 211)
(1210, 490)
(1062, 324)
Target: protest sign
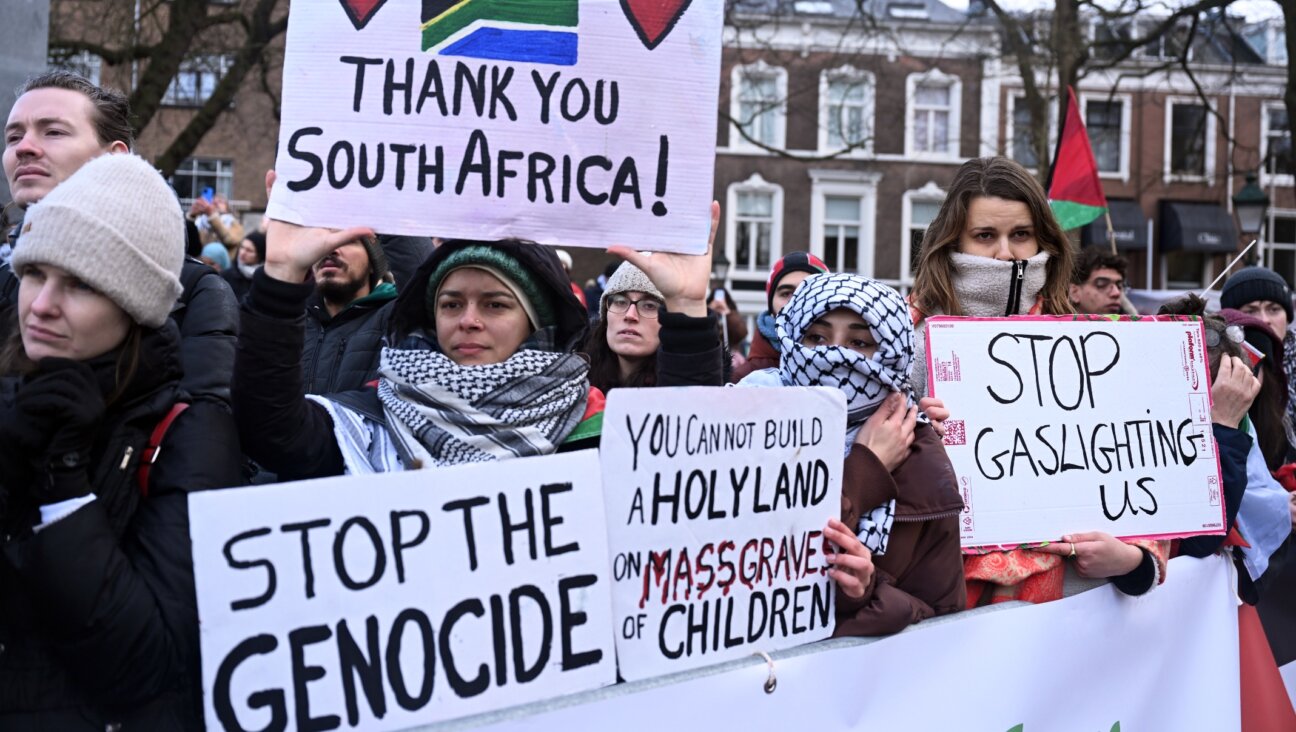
(575, 122)
(716, 504)
(386, 601)
(1066, 424)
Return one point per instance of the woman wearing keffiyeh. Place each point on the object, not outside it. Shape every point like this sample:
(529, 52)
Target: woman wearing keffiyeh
(899, 559)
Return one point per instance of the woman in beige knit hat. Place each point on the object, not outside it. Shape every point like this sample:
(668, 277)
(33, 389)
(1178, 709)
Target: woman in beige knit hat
(97, 455)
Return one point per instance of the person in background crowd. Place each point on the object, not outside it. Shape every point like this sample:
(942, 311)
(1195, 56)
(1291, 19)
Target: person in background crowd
(1268, 413)
(994, 249)
(215, 256)
(251, 254)
(637, 342)
(1264, 294)
(784, 278)
(735, 326)
(60, 122)
(566, 261)
(405, 254)
(899, 560)
(594, 292)
(1098, 282)
(483, 367)
(346, 317)
(98, 623)
(215, 222)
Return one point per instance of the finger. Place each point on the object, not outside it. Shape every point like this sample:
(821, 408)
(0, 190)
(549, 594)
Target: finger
(852, 561)
(1061, 549)
(911, 419)
(269, 182)
(715, 226)
(637, 258)
(843, 539)
(1084, 536)
(938, 425)
(838, 524)
(342, 237)
(849, 583)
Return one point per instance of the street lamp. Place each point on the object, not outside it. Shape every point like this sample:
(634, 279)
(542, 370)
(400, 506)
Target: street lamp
(1249, 207)
(720, 268)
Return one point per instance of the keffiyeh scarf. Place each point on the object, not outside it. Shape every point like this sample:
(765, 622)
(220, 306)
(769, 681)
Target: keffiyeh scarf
(440, 413)
(866, 381)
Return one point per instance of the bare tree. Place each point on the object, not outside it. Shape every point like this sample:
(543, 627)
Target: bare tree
(154, 37)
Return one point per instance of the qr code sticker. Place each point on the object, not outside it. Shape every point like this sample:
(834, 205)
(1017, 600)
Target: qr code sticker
(955, 432)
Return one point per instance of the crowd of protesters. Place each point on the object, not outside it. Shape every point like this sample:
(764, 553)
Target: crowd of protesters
(146, 354)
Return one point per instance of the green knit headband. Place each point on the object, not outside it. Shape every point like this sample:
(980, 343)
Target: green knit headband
(496, 260)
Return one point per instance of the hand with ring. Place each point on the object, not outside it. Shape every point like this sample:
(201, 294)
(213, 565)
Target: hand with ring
(1097, 555)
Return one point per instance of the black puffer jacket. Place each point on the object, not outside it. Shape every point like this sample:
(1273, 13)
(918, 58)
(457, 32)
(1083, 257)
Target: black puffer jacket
(340, 352)
(98, 624)
(294, 437)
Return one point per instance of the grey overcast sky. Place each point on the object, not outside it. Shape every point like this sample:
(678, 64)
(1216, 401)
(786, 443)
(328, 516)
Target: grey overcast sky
(1252, 9)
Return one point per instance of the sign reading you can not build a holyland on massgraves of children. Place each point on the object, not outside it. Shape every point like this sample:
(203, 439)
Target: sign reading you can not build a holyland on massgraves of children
(1070, 424)
(574, 122)
(383, 602)
(716, 504)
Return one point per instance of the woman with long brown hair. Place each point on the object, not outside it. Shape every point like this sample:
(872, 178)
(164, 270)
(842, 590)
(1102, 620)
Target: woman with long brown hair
(995, 250)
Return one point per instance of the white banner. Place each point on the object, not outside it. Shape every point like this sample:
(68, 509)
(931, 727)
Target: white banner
(382, 602)
(715, 513)
(1063, 425)
(1096, 662)
(575, 122)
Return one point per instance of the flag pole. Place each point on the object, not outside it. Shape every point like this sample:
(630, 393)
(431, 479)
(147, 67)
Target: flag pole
(1232, 264)
(1111, 230)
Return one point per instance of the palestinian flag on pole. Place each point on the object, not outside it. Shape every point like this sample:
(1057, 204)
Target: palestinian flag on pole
(1074, 191)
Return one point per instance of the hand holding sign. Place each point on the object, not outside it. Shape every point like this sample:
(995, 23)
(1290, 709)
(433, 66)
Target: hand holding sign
(1097, 555)
(889, 432)
(292, 250)
(852, 564)
(1234, 389)
(682, 278)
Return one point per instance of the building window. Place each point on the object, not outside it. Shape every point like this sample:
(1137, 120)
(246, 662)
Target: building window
(1280, 252)
(196, 79)
(843, 209)
(846, 111)
(759, 106)
(755, 226)
(1023, 139)
(933, 115)
(1277, 151)
(1185, 270)
(84, 63)
(196, 174)
(1104, 121)
(920, 209)
(1190, 141)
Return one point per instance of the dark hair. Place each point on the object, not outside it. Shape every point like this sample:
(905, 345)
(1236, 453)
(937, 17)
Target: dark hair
(1191, 304)
(1096, 257)
(605, 367)
(935, 288)
(111, 117)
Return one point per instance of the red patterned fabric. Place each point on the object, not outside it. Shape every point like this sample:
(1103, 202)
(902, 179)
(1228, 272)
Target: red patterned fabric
(1030, 576)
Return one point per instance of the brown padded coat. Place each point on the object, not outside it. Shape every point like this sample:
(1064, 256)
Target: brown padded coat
(921, 574)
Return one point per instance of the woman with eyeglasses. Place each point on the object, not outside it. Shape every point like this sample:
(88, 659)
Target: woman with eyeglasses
(639, 341)
(995, 250)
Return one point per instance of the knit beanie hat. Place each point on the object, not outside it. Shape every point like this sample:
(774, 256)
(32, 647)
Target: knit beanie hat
(794, 262)
(1256, 283)
(217, 253)
(258, 243)
(627, 278)
(524, 285)
(116, 225)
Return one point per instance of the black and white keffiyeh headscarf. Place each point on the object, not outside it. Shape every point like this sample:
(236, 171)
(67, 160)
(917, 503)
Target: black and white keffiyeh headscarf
(441, 413)
(866, 381)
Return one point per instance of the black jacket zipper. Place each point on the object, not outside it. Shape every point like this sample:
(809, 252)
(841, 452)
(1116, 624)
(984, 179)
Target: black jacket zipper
(1015, 287)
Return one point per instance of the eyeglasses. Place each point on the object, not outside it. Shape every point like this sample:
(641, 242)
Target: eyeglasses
(1233, 333)
(648, 307)
(1105, 283)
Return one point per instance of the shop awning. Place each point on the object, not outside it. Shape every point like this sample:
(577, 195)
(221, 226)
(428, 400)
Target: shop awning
(1197, 227)
(1128, 224)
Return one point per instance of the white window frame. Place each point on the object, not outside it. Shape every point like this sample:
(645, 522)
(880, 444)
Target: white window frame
(223, 61)
(929, 193)
(1127, 103)
(86, 64)
(1271, 246)
(1208, 271)
(736, 78)
(864, 185)
(224, 175)
(1167, 175)
(868, 81)
(755, 184)
(1286, 181)
(1010, 126)
(954, 143)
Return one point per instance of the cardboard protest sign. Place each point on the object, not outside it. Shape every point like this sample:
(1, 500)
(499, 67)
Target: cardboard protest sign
(716, 503)
(383, 602)
(1070, 424)
(575, 122)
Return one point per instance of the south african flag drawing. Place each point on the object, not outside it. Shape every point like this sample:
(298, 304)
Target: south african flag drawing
(503, 30)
